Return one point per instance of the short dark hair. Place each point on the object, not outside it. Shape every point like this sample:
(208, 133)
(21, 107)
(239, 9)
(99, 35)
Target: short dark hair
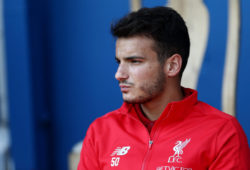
(162, 24)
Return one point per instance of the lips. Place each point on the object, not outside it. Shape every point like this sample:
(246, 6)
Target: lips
(124, 88)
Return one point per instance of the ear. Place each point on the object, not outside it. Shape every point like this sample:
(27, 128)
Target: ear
(173, 65)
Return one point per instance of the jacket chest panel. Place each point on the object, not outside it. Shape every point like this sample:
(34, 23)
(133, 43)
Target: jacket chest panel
(124, 154)
(169, 150)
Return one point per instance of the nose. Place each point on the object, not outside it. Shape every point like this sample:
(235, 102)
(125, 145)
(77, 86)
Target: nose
(121, 73)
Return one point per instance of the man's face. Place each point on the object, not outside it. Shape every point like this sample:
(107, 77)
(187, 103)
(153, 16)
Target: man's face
(140, 75)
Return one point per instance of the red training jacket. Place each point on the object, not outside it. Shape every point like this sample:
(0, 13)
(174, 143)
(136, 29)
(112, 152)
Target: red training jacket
(189, 135)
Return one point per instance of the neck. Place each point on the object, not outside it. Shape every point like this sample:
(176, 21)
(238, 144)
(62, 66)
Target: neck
(154, 108)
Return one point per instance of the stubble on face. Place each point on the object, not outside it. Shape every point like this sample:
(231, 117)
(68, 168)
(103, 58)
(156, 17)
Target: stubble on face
(140, 73)
(149, 89)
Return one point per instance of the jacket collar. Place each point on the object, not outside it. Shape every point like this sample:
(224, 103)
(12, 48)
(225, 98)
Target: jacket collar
(174, 110)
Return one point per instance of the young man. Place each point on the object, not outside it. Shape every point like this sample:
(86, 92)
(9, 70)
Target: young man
(161, 125)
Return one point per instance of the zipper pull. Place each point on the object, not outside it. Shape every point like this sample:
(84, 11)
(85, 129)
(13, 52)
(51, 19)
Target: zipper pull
(150, 143)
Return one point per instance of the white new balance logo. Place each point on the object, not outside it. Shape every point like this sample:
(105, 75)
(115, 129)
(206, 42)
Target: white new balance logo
(120, 151)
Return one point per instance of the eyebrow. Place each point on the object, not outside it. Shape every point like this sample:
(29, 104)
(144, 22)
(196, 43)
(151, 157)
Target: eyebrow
(130, 57)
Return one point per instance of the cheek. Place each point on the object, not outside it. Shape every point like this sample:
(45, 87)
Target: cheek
(144, 74)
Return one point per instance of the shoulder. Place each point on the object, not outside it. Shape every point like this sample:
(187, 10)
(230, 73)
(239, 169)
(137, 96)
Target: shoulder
(207, 111)
(115, 116)
(223, 122)
(110, 116)
(107, 121)
(229, 139)
(213, 120)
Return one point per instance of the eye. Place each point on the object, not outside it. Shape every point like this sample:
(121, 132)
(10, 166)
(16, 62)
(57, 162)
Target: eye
(136, 61)
(117, 61)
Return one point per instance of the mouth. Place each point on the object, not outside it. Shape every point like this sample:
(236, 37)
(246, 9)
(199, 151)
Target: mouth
(124, 88)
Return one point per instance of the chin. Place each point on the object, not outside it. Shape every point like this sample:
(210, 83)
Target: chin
(138, 100)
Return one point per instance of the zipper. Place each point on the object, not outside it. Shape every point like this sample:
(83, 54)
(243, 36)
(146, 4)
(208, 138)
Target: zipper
(152, 134)
(150, 143)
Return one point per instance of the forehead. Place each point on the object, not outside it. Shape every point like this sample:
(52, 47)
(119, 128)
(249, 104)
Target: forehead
(134, 46)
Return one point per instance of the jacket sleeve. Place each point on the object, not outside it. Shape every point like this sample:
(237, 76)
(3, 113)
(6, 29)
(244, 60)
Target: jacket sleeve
(88, 157)
(232, 148)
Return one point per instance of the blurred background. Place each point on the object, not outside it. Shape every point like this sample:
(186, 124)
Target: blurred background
(57, 70)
